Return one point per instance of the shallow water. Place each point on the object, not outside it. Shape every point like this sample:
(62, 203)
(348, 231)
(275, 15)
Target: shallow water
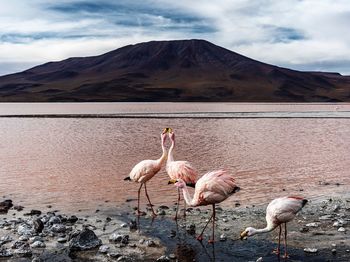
(80, 163)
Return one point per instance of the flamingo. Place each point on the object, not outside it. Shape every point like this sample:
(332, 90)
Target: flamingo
(179, 169)
(146, 169)
(212, 188)
(279, 211)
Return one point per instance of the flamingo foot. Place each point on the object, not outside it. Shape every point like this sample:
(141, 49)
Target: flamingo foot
(200, 238)
(285, 256)
(175, 218)
(211, 241)
(276, 251)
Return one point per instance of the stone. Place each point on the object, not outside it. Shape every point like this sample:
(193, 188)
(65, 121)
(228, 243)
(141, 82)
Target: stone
(5, 239)
(314, 224)
(24, 229)
(150, 243)
(38, 225)
(61, 240)
(5, 253)
(33, 212)
(119, 238)
(141, 241)
(341, 229)
(172, 256)
(334, 251)
(23, 251)
(304, 229)
(54, 220)
(18, 208)
(163, 259)
(5, 205)
(35, 239)
(310, 250)
(337, 224)
(18, 244)
(124, 225)
(223, 237)
(58, 228)
(260, 259)
(38, 244)
(326, 217)
(23, 238)
(103, 249)
(161, 212)
(191, 229)
(85, 240)
(114, 255)
(125, 259)
(224, 219)
(72, 219)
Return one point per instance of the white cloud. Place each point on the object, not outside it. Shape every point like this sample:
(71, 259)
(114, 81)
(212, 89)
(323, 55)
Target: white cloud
(306, 35)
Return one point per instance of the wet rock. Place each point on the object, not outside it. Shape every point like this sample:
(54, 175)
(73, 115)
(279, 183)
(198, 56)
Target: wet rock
(24, 229)
(53, 256)
(150, 243)
(54, 220)
(132, 245)
(172, 256)
(5, 253)
(225, 220)
(125, 259)
(191, 229)
(119, 238)
(61, 240)
(23, 251)
(164, 207)
(103, 249)
(23, 238)
(341, 229)
(163, 259)
(310, 250)
(334, 251)
(34, 239)
(18, 208)
(18, 244)
(5, 239)
(326, 217)
(58, 228)
(161, 212)
(133, 225)
(141, 241)
(38, 225)
(172, 233)
(5, 205)
(114, 255)
(85, 240)
(304, 229)
(33, 212)
(124, 225)
(72, 219)
(260, 259)
(38, 244)
(223, 237)
(336, 208)
(314, 224)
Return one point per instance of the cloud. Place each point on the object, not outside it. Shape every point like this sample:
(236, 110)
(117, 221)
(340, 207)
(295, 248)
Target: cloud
(304, 35)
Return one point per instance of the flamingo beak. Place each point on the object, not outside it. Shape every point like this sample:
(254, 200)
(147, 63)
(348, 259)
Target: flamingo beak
(244, 235)
(172, 181)
(167, 130)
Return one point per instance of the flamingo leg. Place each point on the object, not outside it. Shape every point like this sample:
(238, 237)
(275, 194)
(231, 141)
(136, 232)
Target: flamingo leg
(200, 237)
(211, 241)
(178, 203)
(184, 208)
(277, 251)
(149, 201)
(138, 200)
(285, 241)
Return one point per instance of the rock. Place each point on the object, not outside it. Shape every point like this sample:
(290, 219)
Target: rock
(38, 225)
(85, 240)
(304, 229)
(35, 239)
(54, 220)
(5, 239)
(38, 244)
(314, 224)
(18, 208)
(61, 240)
(23, 238)
(334, 251)
(33, 212)
(5, 205)
(310, 250)
(163, 207)
(172, 233)
(334, 245)
(337, 224)
(118, 238)
(172, 256)
(161, 212)
(191, 229)
(326, 217)
(341, 229)
(150, 243)
(132, 245)
(223, 237)
(58, 228)
(336, 208)
(125, 259)
(163, 259)
(224, 219)
(18, 244)
(23, 251)
(260, 259)
(114, 255)
(5, 253)
(141, 241)
(103, 249)
(25, 229)
(133, 225)
(72, 219)
(124, 225)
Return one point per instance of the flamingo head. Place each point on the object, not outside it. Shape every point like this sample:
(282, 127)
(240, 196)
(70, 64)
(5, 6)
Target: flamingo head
(163, 135)
(179, 183)
(249, 231)
(172, 135)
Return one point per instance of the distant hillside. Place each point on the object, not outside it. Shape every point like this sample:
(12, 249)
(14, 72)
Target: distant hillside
(182, 70)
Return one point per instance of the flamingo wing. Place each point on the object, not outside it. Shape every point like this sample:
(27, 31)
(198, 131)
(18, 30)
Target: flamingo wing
(284, 209)
(214, 187)
(183, 170)
(144, 170)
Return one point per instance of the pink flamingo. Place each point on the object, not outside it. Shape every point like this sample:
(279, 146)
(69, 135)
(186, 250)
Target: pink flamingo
(212, 188)
(146, 169)
(179, 170)
(279, 211)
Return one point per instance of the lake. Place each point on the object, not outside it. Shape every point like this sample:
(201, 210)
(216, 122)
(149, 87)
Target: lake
(74, 156)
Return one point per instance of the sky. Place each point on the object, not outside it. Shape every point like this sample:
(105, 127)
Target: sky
(309, 35)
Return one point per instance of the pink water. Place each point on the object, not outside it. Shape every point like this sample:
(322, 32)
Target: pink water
(80, 163)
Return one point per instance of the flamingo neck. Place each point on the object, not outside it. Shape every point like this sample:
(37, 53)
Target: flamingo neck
(187, 196)
(163, 158)
(268, 228)
(170, 153)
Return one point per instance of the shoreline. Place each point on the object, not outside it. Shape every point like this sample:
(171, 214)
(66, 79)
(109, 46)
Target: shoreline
(317, 226)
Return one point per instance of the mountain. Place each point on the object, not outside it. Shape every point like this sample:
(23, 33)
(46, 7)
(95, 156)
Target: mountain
(181, 70)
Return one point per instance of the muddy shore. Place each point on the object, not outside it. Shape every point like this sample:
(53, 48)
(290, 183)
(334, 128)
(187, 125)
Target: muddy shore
(320, 232)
